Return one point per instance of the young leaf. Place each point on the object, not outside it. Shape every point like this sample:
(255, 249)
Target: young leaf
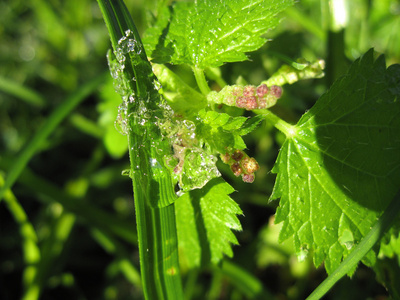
(340, 165)
(221, 131)
(205, 218)
(231, 29)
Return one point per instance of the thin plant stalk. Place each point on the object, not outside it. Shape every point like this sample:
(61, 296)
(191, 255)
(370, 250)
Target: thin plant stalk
(153, 187)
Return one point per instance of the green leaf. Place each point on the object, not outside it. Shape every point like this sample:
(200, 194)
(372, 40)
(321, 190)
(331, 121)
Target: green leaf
(183, 99)
(340, 165)
(251, 124)
(220, 131)
(231, 29)
(115, 143)
(390, 247)
(205, 219)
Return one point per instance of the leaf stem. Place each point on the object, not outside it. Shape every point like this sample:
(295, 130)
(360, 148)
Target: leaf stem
(201, 81)
(366, 244)
(281, 125)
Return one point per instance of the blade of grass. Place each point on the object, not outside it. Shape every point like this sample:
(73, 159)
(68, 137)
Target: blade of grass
(59, 114)
(366, 244)
(30, 248)
(113, 246)
(53, 246)
(92, 215)
(152, 184)
(17, 90)
(243, 281)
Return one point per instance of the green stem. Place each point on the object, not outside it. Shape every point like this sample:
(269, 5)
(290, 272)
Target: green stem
(157, 236)
(48, 127)
(278, 123)
(152, 183)
(201, 81)
(366, 244)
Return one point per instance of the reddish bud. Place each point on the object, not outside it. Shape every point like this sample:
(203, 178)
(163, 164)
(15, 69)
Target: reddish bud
(276, 91)
(248, 91)
(262, 90)
(236, 169)
(250, 165)
(251, 103)
(225, 157)
(249, 178)
(237, 91)
(262, 103)
(241, 102)
(237, 155)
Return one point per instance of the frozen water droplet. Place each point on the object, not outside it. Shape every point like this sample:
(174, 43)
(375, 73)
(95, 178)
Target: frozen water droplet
(347, 239)
(121, 123)
(126, 172)
(302, 254)
(157, 85)
(130, 45)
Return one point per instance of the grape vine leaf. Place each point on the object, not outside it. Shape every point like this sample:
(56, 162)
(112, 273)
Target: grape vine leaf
(209, 33)
(205, 219)
(340, 165)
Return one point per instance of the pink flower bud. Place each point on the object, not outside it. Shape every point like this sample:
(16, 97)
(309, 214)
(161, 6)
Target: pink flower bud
(248, 91)
(262, 90)
(237, 155)
(262, 103)
(236, 169)
(251, 103)
(241, 102)
(250, 165)
(249, 178)
(276, 91)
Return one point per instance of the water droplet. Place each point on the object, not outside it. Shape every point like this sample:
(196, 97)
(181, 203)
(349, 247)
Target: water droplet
(126, 172)
(157, 85)
(347, 239)
(121, 123)
(302, 254)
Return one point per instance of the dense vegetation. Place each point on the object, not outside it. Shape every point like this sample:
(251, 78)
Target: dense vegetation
(295, 196)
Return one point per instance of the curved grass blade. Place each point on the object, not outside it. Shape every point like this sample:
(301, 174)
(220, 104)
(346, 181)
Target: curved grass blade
(48, 127)
(30, 247)
(142, 111)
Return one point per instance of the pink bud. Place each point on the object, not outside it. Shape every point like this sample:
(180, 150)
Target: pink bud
(262, 90)
(249, 178)
(236, 169)
(250, 165)
(237, 155)
(241, 102)
(248, 91)
(276, 91)
(262, 103)
(251, 103)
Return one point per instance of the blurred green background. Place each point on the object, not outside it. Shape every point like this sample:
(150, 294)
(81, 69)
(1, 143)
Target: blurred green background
(67, 230)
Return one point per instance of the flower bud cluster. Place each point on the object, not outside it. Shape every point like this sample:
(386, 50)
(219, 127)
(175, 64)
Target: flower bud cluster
(248, 97)
(241, 164)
